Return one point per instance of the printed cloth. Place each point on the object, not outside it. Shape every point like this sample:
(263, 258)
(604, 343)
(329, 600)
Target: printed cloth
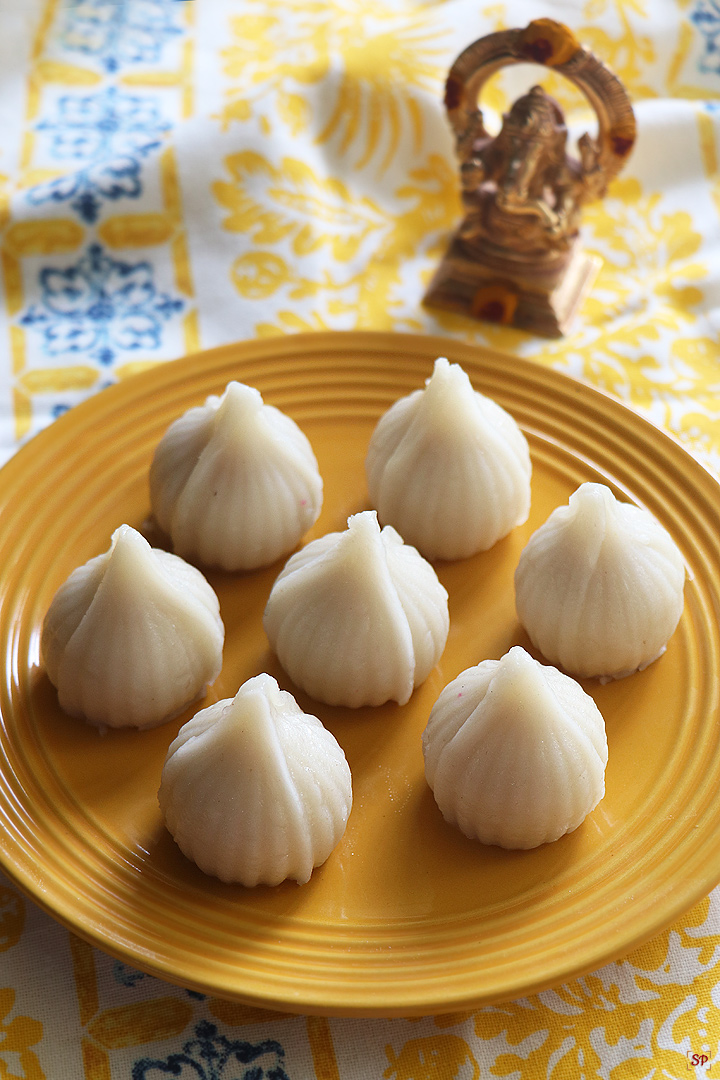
(177, 174)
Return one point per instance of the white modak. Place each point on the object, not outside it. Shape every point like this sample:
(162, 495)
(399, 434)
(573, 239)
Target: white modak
(515, 752)
(358, 617)
(599, 587)
(234, 482)
(133, 636)
(254, 790)
(449, 468)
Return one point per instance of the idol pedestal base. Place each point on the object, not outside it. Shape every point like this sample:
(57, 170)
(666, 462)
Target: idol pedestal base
(540, 301)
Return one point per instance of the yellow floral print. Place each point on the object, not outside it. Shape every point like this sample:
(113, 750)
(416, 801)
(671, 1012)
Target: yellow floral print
(630, 51)
(18, 1061)
(335, 195)
(612, 1024)
(437, 1057)
(373, 60)
(649, 285)
(291, 202)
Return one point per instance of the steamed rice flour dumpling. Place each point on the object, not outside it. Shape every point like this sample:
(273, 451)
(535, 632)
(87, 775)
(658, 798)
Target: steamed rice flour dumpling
(234, 482)
(254, 790)
(599, 587)
(515, 752)
(449, 468)
(358, 617)
(133, 636)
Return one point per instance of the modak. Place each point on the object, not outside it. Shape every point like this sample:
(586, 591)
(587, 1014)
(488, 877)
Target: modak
(515, 752)
(449, 468)
(358, 617)
(133, 636)
(254, 790)
(234, 482)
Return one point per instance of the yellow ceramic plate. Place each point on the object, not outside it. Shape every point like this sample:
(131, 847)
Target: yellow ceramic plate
(407, 916)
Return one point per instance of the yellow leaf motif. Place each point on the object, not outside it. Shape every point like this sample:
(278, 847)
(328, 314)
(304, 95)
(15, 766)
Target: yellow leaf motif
(617, 1023)
(374, 100)
(374, 61)
(258, 274)
(647, 288)
(237, 110)
(139, 1022)
(292, 202)
(274, 48)
(17, 1036)
(290, 323)
(697, 362)
(431, 204)
(436, 1057)
(570, 1033)
(44, 237)
(294, 110)
(432, 210)
(253, 47)
(628, 53)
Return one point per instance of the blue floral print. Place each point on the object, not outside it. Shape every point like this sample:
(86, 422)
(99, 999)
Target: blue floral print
(118, 34)
(706, 17)
(99, 307)
(210, 1056)
(125, 975)
(106, 136)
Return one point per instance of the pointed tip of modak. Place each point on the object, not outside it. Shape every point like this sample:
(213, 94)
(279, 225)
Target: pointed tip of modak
(263, 686)
(365, 524)
(441, 368)
(237, 393)
(518, 654)
(518, 676)
(448, 392)
(254, 706)
(361, 547)
(593, 496)
(444, 371)
(594, 512)
(262, 682)
(125, 535)
(447, 375)
(131, 554)
(126, 543)
(519, 659)
(238, 402)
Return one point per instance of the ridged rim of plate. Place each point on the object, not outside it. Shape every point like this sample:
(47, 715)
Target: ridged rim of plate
(672, 857)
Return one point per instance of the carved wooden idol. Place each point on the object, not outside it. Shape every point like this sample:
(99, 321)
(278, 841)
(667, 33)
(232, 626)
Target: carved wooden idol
(516, 257)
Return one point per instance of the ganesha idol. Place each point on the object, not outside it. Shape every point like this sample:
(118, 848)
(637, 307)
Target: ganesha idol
(516, 256)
